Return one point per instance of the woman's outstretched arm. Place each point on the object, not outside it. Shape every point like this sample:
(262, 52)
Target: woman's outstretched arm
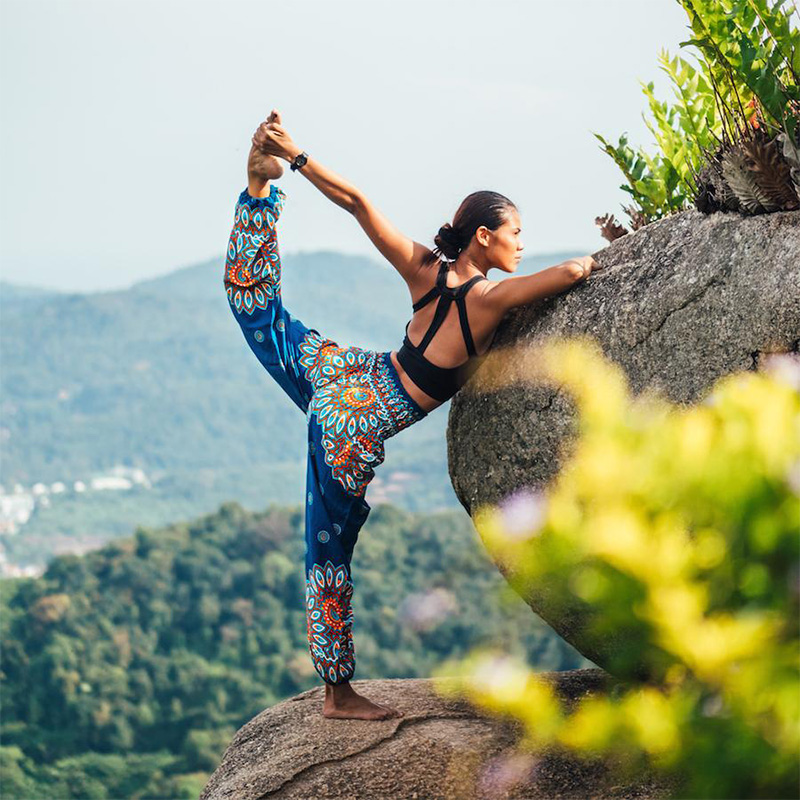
(520, 290)
(403, 253)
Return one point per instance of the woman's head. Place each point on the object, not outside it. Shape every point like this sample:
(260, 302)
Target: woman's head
(488, 223)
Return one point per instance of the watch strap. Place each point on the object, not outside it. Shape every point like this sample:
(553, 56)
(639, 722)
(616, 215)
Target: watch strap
(299, 161)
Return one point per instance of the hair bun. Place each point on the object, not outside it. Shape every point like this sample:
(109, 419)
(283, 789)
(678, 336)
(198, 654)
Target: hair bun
(448, 242)
(479, 209)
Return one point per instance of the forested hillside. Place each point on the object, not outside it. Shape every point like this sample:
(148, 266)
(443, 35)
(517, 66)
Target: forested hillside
(159, 375)
(126, 671)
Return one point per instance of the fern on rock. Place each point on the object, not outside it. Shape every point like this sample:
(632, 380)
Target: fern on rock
(731, 139)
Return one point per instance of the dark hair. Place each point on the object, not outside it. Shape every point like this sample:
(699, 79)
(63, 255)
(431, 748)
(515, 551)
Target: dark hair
(478, 209)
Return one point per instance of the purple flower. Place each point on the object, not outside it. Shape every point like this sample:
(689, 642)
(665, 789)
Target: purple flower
(423, 611)
(784, 367)
(523, 513)
(793, 477)
(503, 773)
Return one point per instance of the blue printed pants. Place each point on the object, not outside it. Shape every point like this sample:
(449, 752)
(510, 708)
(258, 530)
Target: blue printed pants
(353, 401)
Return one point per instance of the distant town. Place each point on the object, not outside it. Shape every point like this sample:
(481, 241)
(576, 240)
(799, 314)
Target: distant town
(18, 503)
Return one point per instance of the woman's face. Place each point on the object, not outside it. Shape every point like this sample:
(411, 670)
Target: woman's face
(504, 248)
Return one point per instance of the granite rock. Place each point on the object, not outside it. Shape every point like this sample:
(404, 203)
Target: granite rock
(442, 749)
(677, 305)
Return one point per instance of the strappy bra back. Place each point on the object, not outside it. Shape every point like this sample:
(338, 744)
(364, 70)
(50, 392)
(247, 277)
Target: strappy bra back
(440, 383)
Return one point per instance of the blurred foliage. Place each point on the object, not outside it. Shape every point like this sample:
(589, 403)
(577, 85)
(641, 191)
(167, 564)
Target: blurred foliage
(681, 527)
(746, 78)
(126, 672)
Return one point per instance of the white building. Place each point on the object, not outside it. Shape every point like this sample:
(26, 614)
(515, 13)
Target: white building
(15, 510)
(110, 483)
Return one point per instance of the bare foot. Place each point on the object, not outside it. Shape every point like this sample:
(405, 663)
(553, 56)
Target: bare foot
(343, 702)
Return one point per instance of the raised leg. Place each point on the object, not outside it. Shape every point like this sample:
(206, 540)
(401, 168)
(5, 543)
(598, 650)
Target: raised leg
(253, 286)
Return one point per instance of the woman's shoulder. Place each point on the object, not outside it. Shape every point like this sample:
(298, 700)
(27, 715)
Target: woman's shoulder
(426, 268)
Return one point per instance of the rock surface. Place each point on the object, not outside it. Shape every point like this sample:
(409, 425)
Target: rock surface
(678, 304)
(442, 749)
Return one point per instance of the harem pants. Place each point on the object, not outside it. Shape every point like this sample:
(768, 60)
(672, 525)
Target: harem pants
(353, 400)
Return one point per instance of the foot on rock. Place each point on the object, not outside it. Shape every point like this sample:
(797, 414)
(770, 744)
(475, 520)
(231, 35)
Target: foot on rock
(343, 702)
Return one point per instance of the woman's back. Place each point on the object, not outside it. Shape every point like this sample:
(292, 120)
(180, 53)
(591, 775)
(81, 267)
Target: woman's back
(452, 323)
(448, 347)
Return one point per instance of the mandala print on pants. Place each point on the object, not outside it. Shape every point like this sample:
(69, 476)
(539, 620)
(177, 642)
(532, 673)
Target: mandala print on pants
(253, 267)
(330, 620)
(358, 406)
(353, 401)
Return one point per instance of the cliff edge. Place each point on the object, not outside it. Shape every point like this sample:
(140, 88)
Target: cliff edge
(442, 749)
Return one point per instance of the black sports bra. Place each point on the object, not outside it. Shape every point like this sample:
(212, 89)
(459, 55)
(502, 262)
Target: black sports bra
(440, 383)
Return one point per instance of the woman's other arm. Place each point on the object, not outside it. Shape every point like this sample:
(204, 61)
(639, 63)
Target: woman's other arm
(403, 253)
(520, 290)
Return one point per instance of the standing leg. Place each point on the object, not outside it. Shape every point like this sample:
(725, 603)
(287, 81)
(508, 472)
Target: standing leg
(333, 521)
(355, 407)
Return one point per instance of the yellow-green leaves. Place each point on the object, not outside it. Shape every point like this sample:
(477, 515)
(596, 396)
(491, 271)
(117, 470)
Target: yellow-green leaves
(680, 527)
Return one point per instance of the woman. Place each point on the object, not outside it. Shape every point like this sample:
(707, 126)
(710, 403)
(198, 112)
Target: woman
(355, 399)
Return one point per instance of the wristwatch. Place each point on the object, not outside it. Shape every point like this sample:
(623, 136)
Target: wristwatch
(299, 161)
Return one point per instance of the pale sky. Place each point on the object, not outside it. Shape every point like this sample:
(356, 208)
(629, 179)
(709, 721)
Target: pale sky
(124, 126)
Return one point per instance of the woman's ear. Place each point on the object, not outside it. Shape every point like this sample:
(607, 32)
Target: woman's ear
(483, 235)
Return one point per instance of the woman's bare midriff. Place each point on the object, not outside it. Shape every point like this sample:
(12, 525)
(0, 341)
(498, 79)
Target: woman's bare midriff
(423, 400)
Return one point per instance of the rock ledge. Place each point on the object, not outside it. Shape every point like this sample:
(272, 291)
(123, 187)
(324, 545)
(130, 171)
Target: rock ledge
(441, 748)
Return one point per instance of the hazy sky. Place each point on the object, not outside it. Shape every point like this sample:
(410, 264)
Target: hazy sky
(125, 125)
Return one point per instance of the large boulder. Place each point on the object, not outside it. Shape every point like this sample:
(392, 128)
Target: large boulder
(442, 749)
(679, 304)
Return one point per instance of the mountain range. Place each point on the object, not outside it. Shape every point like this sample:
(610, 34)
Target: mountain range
(158, 377)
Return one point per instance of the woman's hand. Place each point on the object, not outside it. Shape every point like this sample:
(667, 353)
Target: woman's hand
(271, 138)
(586, 264)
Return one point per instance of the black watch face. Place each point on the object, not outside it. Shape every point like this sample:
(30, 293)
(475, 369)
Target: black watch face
(300, 161)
